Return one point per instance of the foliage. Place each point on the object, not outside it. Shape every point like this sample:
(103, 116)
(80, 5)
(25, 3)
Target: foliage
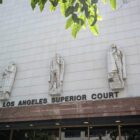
(78, 12)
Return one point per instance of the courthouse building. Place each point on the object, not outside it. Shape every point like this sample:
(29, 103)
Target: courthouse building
(54, 87)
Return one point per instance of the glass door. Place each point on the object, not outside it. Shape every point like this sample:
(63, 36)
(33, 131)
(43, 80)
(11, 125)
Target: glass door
(74, 133)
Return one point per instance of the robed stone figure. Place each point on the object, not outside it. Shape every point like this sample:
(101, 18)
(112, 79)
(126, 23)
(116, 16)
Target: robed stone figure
(7, 81)
(56, 75)
(116, 68)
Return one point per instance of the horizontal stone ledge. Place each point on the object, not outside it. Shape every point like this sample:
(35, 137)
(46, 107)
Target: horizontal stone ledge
(107, 108)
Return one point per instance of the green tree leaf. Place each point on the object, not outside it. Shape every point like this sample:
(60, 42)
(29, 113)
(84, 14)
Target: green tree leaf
(69, 23)
(104, 1)
(83, 17)
(69, 11)
(41, 5)
(94, 1)
(76, 28)
(99, 17)
(78, 11)
(75, 18)
(94, 29)
(76, 7)
(113, 4)
(64, 7)
(52, 8)
(54, 2)
(33, 3)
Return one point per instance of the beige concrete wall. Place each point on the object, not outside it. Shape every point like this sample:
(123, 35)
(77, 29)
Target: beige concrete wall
(31, 39)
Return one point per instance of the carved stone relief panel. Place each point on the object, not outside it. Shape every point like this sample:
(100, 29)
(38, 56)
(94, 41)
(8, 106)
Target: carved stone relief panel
(7, 81)
(116, 68)
(56, 75)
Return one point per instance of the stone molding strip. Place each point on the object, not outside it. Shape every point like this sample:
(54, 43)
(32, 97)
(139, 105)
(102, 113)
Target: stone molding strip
(87, 109)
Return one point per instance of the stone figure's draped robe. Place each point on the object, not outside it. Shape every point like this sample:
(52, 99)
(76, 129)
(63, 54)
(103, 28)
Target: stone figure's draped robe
(8, 79)
(116, 69)
(56, 75)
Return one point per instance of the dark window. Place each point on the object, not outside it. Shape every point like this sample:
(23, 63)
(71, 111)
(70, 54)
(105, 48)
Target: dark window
(4, 135)
(23, 135)
(46, 134)
(74, 132)
(130, 132)
(109, 133)
(41, 134)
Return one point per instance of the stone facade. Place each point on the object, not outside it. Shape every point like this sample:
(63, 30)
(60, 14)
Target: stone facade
(31, 39)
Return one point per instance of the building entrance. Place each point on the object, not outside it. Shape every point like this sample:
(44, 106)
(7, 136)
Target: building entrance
(118, 132)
